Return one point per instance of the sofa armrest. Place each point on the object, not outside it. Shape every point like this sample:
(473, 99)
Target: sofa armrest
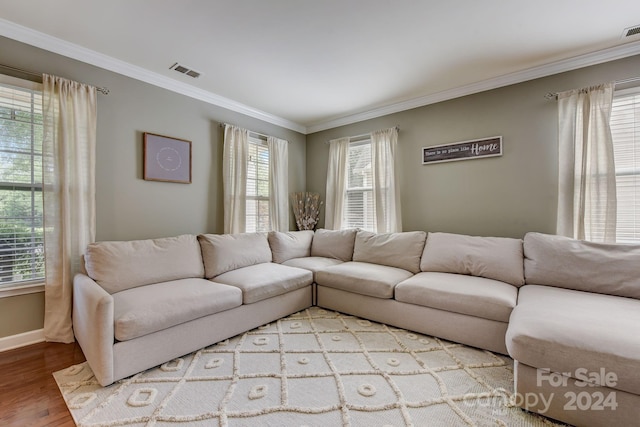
(93, 326)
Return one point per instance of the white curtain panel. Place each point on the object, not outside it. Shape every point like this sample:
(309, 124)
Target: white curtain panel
(336, 183)
(386, 188)
(68, 151)
(279, 183)
(234, 178)
(586, 170)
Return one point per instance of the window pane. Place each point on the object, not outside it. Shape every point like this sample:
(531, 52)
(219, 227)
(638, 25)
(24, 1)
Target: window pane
(21, 252)
(252, 187)
(625, 129)
(18, 168)
(252, 213)
(263, 188)
(257, 219)
(359, 166)
(263, 223)
(359, 209)
(263, 171)
(628, 226)
(22, 207)
(21, 232)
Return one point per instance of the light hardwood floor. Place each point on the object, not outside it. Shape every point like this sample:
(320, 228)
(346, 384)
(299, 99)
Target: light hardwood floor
(29, 395)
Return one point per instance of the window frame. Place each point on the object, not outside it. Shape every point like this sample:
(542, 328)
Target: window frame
(34, 285)
(633, 172)
(358, 190)
(257, 141)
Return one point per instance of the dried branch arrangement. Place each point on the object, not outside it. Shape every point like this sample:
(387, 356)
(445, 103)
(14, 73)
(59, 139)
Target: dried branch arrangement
(306, 209)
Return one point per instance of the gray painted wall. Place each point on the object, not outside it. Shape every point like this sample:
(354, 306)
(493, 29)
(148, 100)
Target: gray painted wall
(500, 196)
(127, 206)
(21, 313)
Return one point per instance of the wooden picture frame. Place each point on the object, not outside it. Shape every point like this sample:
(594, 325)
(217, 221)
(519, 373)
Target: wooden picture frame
(166, 159)
(465, 150)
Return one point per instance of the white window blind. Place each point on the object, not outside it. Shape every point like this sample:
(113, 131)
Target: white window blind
(258, 186)
(359, 208)
(625, 129)
(21, 230)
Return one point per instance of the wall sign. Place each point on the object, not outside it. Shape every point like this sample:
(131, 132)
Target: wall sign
(166, 159)
(465, 150)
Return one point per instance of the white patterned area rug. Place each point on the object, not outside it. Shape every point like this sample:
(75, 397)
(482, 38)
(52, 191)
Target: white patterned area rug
(313, 368)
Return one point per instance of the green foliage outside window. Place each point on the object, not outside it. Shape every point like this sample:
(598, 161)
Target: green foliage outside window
(21, 253)
(21, 228)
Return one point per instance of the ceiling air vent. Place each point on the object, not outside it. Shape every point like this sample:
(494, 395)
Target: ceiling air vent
(631, 31)
(185, 70)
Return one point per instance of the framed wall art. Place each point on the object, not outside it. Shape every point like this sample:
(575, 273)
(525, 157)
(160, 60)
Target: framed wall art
(465, 150)
(166, 159)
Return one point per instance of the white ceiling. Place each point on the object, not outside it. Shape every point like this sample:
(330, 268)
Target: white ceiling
(310, 65)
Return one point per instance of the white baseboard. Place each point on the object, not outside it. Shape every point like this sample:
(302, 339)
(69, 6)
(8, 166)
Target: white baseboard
(21, 340)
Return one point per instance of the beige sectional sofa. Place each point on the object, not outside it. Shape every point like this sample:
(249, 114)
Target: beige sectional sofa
(575, 333)
(450, 287)
(143, 303)
(557, 306)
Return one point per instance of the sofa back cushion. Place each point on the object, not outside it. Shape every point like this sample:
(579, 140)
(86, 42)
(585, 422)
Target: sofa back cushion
(117, 266)
(401, 250)
(226, 252)
(292, 244)
(337, 244)
(498, 258)
(586, 266)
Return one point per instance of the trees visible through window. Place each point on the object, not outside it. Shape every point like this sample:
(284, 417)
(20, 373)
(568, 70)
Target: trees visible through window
(21, 228)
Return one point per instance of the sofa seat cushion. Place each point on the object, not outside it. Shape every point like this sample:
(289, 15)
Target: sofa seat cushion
(151, 308)
(312, 263)
(262, 281)
(471, 295)
(363, 278)
(564, 330)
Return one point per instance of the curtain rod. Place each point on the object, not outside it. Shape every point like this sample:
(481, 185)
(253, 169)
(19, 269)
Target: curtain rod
(262, 135)
(102, 90)
(554, 95)
(363, 135)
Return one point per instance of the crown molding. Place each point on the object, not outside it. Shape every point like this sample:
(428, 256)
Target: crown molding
(44, 41)
(580, 61)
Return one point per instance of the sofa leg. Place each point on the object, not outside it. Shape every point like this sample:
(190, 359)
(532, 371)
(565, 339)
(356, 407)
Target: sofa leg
(314, 294)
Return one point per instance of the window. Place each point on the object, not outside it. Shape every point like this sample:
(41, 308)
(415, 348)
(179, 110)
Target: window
(21, 229)
(359, 209)
(258, 186)
(625, 129)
